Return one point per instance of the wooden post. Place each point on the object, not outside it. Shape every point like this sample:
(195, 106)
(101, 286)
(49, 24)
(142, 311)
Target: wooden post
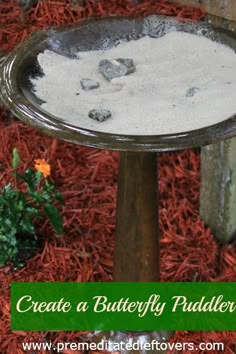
(218, 161)
(218, 189)
(137, 236)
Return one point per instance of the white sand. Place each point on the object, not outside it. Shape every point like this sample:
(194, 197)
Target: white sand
(153, 99)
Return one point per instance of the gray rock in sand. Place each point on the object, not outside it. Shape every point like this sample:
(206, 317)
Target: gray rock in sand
(191, 91)
(129, 63)
(89, 84)
(100, 115)
(116, 68)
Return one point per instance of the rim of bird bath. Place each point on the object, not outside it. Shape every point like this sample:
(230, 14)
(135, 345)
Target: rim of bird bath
(17, 92)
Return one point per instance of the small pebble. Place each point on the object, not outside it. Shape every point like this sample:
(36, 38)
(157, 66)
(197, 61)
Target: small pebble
(116, 68)
(100, 115)
(129, 63)
(191, 91)
(89, 84)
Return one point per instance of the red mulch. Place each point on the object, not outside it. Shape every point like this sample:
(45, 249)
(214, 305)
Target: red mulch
(87, 178)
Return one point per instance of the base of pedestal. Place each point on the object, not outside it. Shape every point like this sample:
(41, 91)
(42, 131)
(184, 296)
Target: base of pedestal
(125, 342)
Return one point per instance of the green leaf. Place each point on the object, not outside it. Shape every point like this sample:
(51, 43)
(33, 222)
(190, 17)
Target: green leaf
(3, 238)
(37, 196)
(48, 187)
(32, 212)
(7, 188)
(59, 198)
(30, 178)
(15, 159)
(19, 206)
(38, 178)
(27, 225)
(46, 197)
(54, 217)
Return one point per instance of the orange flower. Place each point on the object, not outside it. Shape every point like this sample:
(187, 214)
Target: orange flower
(43, 166)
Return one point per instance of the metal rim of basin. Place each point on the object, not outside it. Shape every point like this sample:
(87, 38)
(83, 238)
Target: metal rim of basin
(15, 98)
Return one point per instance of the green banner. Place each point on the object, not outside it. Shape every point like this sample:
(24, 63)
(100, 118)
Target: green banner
(123, 306)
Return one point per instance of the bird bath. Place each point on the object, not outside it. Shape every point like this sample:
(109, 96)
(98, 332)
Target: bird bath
(137, 239)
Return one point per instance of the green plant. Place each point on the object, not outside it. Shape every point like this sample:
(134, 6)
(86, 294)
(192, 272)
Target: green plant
(20, 207)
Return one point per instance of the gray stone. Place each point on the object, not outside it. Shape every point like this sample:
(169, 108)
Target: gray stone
(191, 91)
(116, 68)
(100, 115)
(89, 84)
(129, 63)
